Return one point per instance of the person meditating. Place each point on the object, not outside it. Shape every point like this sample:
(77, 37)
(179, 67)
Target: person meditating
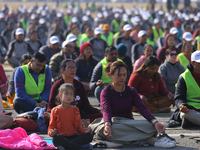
(68, 71)
(118, 124)
(149, 84)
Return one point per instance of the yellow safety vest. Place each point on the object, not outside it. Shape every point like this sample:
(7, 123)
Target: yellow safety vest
(109, 40)
(33, 90)
(104, 77)
(155, 33)
(193, 89)
(183, 60)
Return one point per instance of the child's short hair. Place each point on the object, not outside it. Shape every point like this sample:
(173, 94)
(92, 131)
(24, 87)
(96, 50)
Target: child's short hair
(66, 85)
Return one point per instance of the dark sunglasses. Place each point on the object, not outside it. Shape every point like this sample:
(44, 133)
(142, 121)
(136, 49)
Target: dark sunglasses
(173, 54)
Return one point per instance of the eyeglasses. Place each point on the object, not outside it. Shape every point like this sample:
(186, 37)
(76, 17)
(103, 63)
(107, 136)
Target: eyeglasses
(70, 68)
(173, 54)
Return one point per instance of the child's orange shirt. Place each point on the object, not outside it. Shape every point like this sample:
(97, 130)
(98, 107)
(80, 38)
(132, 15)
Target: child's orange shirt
(67, 121)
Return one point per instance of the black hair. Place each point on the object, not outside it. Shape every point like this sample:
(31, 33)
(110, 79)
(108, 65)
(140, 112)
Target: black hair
(109, 49)
(32, 32)
(64, 62)
(25, 57)
(39, 56)
(148, 27)
(64, 86)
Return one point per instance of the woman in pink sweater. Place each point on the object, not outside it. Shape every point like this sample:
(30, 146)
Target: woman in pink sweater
(148, 51)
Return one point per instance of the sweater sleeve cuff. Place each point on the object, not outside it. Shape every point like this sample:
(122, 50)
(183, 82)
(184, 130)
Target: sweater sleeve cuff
(150, 118)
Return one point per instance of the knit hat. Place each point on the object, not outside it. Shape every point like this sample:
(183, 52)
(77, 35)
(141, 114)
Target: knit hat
(84, 45)
(121, 50)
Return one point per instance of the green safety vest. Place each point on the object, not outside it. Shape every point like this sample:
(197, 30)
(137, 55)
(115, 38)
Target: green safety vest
(84, 38)
(104, 77)
(183, 60)
(150, 42)
(193, 90)
(67, 19)
(24, 24)
(122, 21)
(116, 35)
(198, 44)
(33, 90)
(116, 27)
(78, 39)
(109, 40)
(155, 33)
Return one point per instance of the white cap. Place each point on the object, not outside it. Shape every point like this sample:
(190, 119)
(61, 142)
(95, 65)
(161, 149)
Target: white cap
(127, 27)
(176, 11)
(191, 16)
(19, 31)
(180, 15)
(42, 21)
(74, 20)
(160, 12)
(43, 13)
(156, 20)
(88, 12)
(173, 30)
(196, 18)
(10, 12)
(69, 11)
(71, 38)
(54, 39)
(187, 18)
(116, 15)
(170, 18)
(61, 11)
(59, 15)
(2, 15)
(33, 16)
(137, 19)
(141, 33)
(96, 19)
(46, 8)
(145, 17)
(85, 18)
(125, 17)
(75, 11)
(167, 14)
(187, 36)
(105, 14)
(198, 14)
(128, 12)
(66, 43)
(38, 11)
(99, 15)
(195, 56)
(97, 30)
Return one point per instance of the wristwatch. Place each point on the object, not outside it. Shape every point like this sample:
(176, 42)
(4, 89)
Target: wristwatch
(153, 121)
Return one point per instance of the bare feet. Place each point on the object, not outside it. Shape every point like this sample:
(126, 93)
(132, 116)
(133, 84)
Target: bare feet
(164, 110)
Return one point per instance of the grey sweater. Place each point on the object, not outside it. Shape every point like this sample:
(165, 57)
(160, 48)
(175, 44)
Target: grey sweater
(170, 74)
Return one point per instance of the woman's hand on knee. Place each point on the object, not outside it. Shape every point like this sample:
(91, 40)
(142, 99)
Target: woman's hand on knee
(159, 127)
(107, 131)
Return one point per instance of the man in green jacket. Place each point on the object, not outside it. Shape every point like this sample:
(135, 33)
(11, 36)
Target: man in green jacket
(187, 94)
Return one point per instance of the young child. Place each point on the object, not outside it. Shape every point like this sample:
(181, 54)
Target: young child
(65, 123)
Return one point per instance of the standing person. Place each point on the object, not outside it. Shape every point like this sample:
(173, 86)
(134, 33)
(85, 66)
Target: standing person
(152, 4)
(170, 70)
(149, 84)
(85, 63)
(67, 74)
(99, 45)
(118, 124)
(65, 123)
(148, 51)
(17, 48)
(187, 93)
(169, 5)
(185, 57)
(33, 84)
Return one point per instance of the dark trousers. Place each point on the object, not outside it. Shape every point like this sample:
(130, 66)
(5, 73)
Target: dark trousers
(21, 105)
(72, 142)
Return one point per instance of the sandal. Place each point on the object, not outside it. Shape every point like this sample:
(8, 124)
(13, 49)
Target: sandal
(100, 145)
